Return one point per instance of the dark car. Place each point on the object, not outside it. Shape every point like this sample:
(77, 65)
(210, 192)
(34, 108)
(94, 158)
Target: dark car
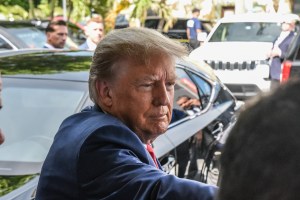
(42, 88)
(20, 34)
(26, 34)
(178, 28)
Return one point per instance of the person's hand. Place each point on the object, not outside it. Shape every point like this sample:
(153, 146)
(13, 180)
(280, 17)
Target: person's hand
(190, 103)
(2, 138)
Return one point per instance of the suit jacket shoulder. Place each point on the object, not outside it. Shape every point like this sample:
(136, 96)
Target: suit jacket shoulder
(95, 156)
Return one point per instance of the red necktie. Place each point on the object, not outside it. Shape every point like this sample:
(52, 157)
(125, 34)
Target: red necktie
(150, 150)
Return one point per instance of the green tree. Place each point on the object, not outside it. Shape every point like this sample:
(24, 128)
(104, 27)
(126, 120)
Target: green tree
(160, 7)
(31, 9)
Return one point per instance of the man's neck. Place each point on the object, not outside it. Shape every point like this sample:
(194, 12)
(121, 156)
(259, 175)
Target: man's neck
(49, 46)
(91, 44)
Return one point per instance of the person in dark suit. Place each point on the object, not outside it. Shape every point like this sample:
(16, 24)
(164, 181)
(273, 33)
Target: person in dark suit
(56, 33)
(94, 31)
(1, 133)
(280, 47)
(104, 152)
(260, 159)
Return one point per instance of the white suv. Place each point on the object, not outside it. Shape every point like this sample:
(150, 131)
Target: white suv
(237, 48)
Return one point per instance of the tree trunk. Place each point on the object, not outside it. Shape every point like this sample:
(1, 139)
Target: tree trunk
(31, 9)
(52, 8)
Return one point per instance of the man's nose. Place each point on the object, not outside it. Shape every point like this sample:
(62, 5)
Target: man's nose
(161, 95)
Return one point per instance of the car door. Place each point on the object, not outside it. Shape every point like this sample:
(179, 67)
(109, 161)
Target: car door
(184, 128)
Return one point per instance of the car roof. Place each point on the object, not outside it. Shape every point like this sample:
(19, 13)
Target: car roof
(46, 64)
(17, 42)
(252, 17)
(67, 64)
(7, 23)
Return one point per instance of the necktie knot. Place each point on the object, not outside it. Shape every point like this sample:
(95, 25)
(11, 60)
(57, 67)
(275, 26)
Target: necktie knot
(151, 152)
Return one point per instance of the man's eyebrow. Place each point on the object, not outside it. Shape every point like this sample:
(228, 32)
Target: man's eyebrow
(147, 78)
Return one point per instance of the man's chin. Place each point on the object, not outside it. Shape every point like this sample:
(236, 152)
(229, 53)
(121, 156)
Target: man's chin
(161, 129)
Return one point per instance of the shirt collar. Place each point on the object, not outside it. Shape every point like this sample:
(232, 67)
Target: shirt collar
(91, 44)
(49, 46)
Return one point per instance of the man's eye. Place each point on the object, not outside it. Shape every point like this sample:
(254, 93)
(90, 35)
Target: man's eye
(147, 85)
(170, 85)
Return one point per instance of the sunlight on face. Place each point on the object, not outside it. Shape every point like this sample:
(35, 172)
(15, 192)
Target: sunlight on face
(95, 31)
(143, 96)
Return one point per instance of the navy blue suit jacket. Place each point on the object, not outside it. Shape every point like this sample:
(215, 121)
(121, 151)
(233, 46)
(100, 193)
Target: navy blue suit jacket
(95, 156)
(275, 68)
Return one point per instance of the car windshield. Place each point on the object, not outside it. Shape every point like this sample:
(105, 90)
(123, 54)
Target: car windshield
(32, 36)
(246, 32)
(32, 114)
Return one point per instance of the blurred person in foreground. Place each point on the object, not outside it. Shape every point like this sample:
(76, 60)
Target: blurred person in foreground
(56, 33)
(280, 48)
(1, 134)
(105, 151)
(94, 31)
(261, 158)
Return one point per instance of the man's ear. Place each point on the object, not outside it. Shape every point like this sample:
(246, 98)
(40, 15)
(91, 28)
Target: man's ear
(104, 93)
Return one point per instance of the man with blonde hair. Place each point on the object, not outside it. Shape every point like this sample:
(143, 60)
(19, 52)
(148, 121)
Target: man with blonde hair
(105, 151)
(94, 31)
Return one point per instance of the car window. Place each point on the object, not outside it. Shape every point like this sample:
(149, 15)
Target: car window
(32, 115)
(205, 89)
(32, 36)
(185, 90)
(152, 23)
(4, 45)
(246, 32)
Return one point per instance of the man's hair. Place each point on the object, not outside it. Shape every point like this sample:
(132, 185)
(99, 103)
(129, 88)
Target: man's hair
(261, 158)
(51, 24)
(195, 10)
(97, 19)
(137, 44)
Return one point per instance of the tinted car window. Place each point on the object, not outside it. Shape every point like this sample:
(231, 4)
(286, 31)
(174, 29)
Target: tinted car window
(246, 31)
(205, 89)
(32, 36)
(152, 23)
(185, 89)
(41, 103)
(4, 45)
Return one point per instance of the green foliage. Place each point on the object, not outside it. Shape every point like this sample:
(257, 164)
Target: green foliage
(78, 10)
(22, 3)
(10, 183)
(140, 9)
(102, 7)
(16, 11)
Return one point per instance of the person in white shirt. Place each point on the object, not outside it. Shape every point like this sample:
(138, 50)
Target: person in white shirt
(280, 48)
(57, 33)
(94, 31)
